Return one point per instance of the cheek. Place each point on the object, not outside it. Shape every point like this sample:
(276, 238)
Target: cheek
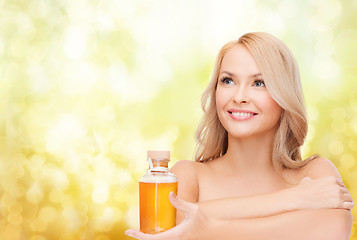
(220, 98)
(223, 98)
(221, 102)
(272, 107)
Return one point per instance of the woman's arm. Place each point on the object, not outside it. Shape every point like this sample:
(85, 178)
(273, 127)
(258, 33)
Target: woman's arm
(327, 224)
(326, 192)
(186, 172)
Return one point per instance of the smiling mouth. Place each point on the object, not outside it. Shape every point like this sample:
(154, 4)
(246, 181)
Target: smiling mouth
(242, 114)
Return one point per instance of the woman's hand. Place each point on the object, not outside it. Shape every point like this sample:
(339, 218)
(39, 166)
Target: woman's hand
(326, 192)
(195, 225)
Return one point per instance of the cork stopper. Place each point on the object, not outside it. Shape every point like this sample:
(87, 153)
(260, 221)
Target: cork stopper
(159, 154)
(158, 159)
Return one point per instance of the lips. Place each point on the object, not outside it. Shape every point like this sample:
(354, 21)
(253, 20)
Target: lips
(240, 114)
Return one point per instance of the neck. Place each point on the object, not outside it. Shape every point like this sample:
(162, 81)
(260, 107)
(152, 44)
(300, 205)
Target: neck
(251, 155)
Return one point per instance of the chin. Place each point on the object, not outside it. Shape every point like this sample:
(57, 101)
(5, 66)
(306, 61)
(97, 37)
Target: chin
(253, 134)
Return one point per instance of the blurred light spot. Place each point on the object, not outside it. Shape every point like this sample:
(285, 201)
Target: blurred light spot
(105, 222)
(16, 208)
(100, 192)
(338, 113)
(104, 21)
(165, 141)
(102, 138)
(157, 68)
(35, 193)
(121, 195)
(338, 125)
(36, 55)
(1, 46)
(56, 196)
(40, 82)
(124, 177)
(310, 133)
(57, 178)
(354, 125)
(132, 217)
(346, 48)
(118, 78)
(64, 134)
(353, 144)
(102, 237)
(117, 147)
(305, 149)
(335, 147)
(47, 214)
(68, 200)
(11, 232)
(38, 225)
(327, 11)
(312, 112)
(347, 160)
(106, 114)
(288, 9)
(38, 8)
(353, 102)
(82, 207)
(78, 78)
(18, 48)
(75, 42)
(72, 219)
(331, 70)
(37, 237)
(67, 236)
(14, 219)
(19, 172)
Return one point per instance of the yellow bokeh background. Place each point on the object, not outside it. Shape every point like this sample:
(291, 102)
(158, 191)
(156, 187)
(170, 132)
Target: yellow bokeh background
(86, 87)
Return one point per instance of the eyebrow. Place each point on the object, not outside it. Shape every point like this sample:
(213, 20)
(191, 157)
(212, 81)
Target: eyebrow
(250, 76)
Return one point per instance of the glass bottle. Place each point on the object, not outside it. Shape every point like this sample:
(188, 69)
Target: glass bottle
(156, 212)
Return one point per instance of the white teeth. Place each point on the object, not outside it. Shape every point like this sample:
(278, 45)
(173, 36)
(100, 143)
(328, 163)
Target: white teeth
(241, 114)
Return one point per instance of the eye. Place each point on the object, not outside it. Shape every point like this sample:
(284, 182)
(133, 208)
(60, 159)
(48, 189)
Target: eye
(259, 83)
(227, 81)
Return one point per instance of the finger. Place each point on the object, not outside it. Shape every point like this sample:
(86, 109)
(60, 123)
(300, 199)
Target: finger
(180, 204)
(347, 197)
(344, 191)
(138, 235)
(169, 234)
(339, 182)
(348, 205)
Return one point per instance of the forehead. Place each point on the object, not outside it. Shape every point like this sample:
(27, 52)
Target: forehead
(239, 59)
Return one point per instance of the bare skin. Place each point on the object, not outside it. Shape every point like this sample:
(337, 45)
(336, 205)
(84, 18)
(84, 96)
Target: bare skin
(240, 195)
(315, 186)
(320, 210)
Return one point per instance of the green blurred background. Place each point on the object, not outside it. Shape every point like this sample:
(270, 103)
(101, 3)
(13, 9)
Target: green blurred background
(86, 87)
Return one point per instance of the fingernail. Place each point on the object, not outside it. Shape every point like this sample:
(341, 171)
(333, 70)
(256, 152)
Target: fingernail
(173, 194)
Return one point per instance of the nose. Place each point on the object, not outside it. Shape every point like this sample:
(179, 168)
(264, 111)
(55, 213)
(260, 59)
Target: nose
(241, 95)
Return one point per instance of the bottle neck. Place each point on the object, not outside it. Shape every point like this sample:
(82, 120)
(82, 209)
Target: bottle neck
(159, 169)
(158, 165)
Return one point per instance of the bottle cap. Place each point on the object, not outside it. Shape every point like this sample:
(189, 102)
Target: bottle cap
(159, 155)
(158, 160)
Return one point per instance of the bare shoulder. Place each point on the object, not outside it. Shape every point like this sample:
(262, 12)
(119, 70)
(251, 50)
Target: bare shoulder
(321, 167)
(186, 168)
(187, 174)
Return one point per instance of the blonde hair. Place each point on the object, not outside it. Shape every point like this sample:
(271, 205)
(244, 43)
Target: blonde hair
(281, 75)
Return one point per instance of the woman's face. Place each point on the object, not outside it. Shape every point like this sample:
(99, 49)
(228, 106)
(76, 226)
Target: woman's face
(244, 105)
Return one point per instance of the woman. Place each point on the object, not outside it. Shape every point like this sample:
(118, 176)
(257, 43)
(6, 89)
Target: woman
(249, 180)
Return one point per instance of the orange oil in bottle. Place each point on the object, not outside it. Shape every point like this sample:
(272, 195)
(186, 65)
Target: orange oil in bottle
(156, 212)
